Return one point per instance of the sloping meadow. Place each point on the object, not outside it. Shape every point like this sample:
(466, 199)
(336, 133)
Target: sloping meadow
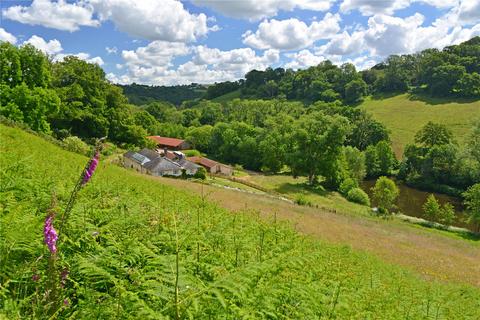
(133, 248)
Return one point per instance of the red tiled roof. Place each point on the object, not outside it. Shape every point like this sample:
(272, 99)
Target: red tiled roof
(203, 161)
(171, 142)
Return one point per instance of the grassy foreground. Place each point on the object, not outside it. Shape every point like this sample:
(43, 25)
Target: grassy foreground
(404, 115)
(135, 248)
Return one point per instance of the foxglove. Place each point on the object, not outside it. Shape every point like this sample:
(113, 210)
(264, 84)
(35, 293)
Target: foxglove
(50, 234)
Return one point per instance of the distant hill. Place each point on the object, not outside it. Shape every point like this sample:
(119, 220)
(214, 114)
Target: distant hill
(142, 94)
(405, 114)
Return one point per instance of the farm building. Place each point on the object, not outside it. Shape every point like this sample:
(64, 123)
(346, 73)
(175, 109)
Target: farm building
(170, 143)
(150, 162)
(212, 166)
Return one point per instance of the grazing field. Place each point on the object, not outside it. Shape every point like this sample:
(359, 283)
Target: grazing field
(404, 115)
(137, 248)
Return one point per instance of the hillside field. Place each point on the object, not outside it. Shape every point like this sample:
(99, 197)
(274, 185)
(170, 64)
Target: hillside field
(135, 247)
(404, 115)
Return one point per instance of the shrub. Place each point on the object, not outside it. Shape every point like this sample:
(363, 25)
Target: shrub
(192, 153)
(431, 208)
(201, 173)
(75, 144)
(302, 200)
(357, 195)
(385, 193)
(347, 185)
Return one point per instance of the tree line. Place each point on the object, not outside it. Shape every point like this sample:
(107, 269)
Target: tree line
(453, 71)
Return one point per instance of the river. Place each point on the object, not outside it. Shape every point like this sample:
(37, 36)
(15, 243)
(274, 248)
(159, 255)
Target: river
(411, 200)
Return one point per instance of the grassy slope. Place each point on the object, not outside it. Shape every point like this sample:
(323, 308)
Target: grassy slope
(404, 116)
(120, 250)
(228, 96)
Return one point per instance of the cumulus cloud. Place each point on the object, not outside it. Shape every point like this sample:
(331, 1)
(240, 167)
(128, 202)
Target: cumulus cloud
(49, 47)
(6, 36)
(303, 59)
(372, 7)
(152, 64)
(409, 33)
(256, 10)
(291, 33)
(53, 14)
(469, 11)
(54, 49)
(165, 20)
(81, 55)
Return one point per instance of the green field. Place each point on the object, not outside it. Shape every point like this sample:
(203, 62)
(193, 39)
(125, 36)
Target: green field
(136, 248)
(228, 96)
(404, 115)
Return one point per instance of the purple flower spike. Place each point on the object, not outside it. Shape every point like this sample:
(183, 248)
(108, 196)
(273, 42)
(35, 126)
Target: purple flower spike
(50, 234)
(91, 168)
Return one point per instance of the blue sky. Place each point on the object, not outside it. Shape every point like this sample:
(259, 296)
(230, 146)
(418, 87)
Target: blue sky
(167, 42)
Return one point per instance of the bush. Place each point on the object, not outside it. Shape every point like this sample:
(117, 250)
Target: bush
(201, 173)
(357, 195)
(75, 144)
(302, 200)
(192, 153)
(347, 185)
(385, 193)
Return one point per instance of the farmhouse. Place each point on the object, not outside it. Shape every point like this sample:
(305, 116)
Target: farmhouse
(212, 166)
(170, 143)
(151, 162)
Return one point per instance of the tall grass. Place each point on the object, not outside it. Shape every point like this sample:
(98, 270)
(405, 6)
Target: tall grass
(136, 249)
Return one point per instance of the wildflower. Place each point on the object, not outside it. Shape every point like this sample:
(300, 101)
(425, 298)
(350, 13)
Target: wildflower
(91, 168)
(35, 277)
(66, 302)
(50, 234)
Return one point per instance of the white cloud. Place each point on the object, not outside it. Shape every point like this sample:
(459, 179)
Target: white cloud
(409, 33)
(82, 56)
(165, 20)
(53, 14)
(6, 36)
(292, 33)
(54, 49)
(371, 7)
(303, 59)
(158, 53)
(258, 9)
(469, 11)
(153, 64)
(51, 47)
(112, 50)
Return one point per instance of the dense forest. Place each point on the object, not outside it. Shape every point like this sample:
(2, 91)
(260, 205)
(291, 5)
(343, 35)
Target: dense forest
(142, 94)
(300, 121)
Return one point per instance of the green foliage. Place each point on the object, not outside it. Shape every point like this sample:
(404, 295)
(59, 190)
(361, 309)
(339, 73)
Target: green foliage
(143, 94)
(386, 158)
(200, 174)
(433, 134)
(128, 235)
(347, 185)
(357, 195)
(431, 208)
(385, 192)
(355, 90)
(355, 162)
(301, 200)
(75, 144)
(317, 148)
(472, 203)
